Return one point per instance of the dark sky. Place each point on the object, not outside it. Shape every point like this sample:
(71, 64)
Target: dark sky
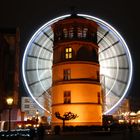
(123, 15)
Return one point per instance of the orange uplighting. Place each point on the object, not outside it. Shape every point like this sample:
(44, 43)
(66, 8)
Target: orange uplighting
(76, 87)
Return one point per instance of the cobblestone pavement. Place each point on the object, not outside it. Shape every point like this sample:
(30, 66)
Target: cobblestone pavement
(113, 136)
(118, 135)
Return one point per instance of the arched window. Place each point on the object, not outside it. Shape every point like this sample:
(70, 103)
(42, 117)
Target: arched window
(83, 54)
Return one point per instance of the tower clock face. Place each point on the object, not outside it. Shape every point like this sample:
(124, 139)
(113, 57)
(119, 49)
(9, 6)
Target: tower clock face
(114, 59)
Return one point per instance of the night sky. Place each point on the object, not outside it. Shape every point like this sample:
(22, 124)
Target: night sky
(123, 15)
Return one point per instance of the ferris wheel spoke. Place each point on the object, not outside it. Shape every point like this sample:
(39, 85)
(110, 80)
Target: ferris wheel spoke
(49, 77)
(112, 78)
(113, 92)
(31, 84)
(110, 67)
(38, 69)
(112, 57)
(109, 46)
(103, 37)
(43, 47)
(48, 36)
(36, 57)
(43, 94)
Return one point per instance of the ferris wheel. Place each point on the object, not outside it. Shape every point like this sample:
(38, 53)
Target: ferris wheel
(114, 59)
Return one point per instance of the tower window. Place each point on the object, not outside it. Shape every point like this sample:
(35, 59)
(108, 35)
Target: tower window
(85, 32)
(79, 33)
(71, 34)
(68, 53)
(67, 74)
(67, 97)
(65, 32)
(26, 106)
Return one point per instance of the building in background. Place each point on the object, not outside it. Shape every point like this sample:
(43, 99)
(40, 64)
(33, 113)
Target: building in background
(9, 70)
(128, 111)
(28, 107)
(30, 112)
(124, 107)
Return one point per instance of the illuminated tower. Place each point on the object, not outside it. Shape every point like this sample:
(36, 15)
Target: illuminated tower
(76, 87)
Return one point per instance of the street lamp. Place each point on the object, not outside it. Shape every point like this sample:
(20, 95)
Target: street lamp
(9, 103)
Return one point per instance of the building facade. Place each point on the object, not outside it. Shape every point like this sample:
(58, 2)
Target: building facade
(9, 70)
(76, 87)
(28, 107)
